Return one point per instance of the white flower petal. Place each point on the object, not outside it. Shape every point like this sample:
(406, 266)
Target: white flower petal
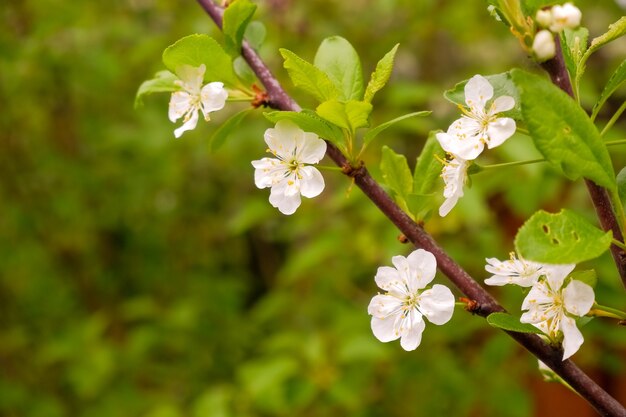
(384, 328)
(578, 298)
(572, 337)
(513, 271)
(500, 130)
(387, 277)
(502, 103)
(268, 172)
(311, 149)
(437, 304)
(477, 92)
(412, 336)
(188, 125)
(448, 205)
(312, 182)
(180, 104)
(556, 274)
(383, 305)
(282, 139)
(538, 295)
(423, 267)
(213, 97)
(529, 318)
(461, 141)
(191, 77)
(286, 204)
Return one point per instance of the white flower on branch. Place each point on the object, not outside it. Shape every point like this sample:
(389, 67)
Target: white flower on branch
(454, 175)
(565, 16)
(516, 271)
(480, 125)
(193, 97)
(544, 47)
(553, 307)
(400, 312)
(287, 174)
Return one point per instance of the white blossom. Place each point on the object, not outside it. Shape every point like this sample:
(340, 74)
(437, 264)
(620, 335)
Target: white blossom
(287, 174)
(516, 271)
(454, 175)
(565, 16)
(193, 97)
(400, 312)
(544, 17)
(544, 47)
(480, 125)
(552, 307)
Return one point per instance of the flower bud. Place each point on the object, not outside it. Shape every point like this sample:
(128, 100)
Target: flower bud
(544, 18)
(565, 16)
(544, 47)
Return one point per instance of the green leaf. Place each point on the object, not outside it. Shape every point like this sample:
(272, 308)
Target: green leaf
(226, 129)
(372, 133)
(351, 115)
(243, 71)
(396, 172)
(195, 50)
(507, 322)
(311, 122)
(163, 82)
(616, 80)
(616, 30)
(574, 45)
(420, 205)
(562, 238)
(562, 131)
(309, 78)
(381, 74)
(235, 21)
(255, 34)
(588, 277)
(340, 61)
(428, 167)
(502, 84)
(621, 185)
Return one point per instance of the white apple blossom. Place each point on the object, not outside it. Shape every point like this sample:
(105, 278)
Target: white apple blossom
(454, 175)
(544, 47)
(553, 307)
(518, 271)
(565, 16)
(480, 125)
(399, 313)
(544, 17)
(287, 174)
(193, 97)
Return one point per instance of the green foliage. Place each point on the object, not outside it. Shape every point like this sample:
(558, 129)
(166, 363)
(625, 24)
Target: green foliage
(509, 323)
(617, 79)
(562, 131)
(621, 185)
(309, 78)
(235, 21)
(502, 84)
(615, 31)
(195, 50)
(381, 74)
(255, 34)
(375, 131)
(561, 238)
(396, 172)
(588, 277)
(428, 167)
(574, 45)
(337, 58)
(226, 129)
(163, 82)
(349, 115)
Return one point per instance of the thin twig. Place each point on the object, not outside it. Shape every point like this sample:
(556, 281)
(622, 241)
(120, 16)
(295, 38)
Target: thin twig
(552, 357)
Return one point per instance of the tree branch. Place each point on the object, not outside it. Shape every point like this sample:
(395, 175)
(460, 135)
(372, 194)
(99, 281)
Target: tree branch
(557, 70)
(585, 386)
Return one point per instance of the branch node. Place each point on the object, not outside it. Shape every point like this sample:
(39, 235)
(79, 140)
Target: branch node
(403, 239)
(471, 306)
(261, 98)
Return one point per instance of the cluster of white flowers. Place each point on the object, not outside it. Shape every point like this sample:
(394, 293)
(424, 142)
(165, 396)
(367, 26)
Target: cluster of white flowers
(400, 312)
(553, 20)
(554, 300)
(466, 137)
(193, 97)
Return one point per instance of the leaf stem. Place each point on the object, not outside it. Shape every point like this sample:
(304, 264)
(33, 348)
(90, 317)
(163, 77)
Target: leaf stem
(619, 244)
(615, 142)
(616, 116)
(510, 164)
(604, 311)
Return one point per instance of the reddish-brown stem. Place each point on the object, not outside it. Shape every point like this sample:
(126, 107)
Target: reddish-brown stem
(557, 70)
(486, 304)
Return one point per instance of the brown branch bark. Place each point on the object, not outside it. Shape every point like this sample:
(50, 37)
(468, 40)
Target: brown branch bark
(605, 211)
(552, 357)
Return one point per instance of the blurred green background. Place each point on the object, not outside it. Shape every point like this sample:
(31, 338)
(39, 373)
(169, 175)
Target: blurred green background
(142, 275)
